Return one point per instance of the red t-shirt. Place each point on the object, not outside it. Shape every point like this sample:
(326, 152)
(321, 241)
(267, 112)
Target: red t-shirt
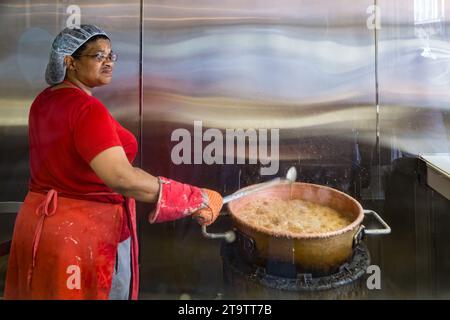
(67, 129)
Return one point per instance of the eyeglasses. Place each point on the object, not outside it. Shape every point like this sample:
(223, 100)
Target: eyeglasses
(100, 56)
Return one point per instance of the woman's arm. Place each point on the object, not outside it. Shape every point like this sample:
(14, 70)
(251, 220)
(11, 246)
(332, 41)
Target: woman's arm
(177, 200)
(112, 166)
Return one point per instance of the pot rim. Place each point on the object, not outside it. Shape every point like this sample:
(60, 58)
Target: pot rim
(314, 235)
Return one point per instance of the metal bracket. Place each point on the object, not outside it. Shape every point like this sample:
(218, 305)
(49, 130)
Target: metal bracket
(10, 206)
(229, 236)
(358, 237)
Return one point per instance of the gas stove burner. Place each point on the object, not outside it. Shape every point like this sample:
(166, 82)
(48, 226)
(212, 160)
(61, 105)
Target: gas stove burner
(282, 277)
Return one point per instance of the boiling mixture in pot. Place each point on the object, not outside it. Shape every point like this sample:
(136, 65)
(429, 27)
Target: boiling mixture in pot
(294, 216)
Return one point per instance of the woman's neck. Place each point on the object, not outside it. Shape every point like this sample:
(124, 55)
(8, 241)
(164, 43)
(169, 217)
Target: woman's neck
(79, 84)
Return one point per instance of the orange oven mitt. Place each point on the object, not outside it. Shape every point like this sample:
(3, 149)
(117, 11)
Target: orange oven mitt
(209, 214)
(178, 200)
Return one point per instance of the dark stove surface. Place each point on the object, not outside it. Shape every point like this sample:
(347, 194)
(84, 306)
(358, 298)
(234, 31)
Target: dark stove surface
(282, 276)
(244, 280)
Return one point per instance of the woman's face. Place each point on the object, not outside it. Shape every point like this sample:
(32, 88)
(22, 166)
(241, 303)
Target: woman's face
(89, 70)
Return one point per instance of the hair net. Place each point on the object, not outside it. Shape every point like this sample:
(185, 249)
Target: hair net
(65, 44)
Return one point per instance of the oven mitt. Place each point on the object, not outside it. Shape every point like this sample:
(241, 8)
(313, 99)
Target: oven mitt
(209, 214)
(177, 200)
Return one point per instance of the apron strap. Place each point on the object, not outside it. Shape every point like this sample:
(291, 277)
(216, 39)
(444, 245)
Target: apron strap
(45, 209)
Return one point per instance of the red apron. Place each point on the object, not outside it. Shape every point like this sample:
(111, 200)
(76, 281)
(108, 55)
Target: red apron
(65, 248)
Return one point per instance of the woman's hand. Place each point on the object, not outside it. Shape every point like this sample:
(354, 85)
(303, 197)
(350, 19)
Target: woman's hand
(210, 213)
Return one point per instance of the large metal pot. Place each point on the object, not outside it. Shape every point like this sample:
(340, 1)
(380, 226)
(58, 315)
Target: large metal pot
(316, 253)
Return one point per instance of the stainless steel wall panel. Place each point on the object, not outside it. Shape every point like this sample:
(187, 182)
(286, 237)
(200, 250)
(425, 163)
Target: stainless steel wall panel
(414, 76)
(213, 62)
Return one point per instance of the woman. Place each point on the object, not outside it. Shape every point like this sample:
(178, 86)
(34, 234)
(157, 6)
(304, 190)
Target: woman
(75, 235)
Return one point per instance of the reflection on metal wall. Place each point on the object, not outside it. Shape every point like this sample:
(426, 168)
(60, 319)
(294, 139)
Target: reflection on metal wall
(414, 76)
(304, 67)
(27, 29)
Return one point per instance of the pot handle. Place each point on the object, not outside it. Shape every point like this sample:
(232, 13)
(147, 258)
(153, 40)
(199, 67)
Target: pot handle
(229, 236)
(385, 230)
(362, 231)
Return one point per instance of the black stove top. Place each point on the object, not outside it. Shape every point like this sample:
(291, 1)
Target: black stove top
(242, 277)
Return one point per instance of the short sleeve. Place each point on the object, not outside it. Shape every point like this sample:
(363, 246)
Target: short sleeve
(94, 130)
